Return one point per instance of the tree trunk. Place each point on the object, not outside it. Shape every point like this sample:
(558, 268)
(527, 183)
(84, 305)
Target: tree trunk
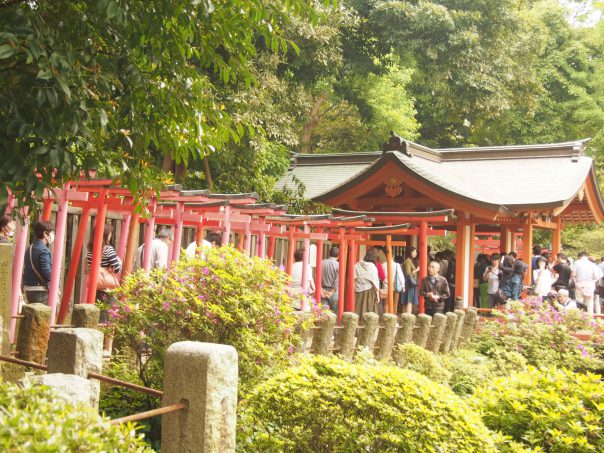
(208, 174)
(311, 124)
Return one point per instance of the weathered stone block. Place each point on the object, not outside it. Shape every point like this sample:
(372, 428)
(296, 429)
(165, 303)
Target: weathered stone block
(461, 316)
(468, 326)
(34, 330)
(386, 336)
(6, 285)
(367, 332)
(346, 336)
(406, 323)
(86, 315)
(203, 375)
(422, 330)
(439, 322)
(445, 345)
(74, 389)
(302, 329)
(75, 351)
(321, 341)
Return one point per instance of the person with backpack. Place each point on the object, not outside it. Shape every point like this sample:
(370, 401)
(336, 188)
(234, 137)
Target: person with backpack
(37, 264)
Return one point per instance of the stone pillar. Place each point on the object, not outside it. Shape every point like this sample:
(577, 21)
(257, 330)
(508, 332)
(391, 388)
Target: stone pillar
(445, 346)
(406, 324)
(468, 326)
(86, 315)
(6, 285)
(204, 376)
(34, 330)
(422, 330)
(321, 341)
(461, 316)
(78, 352)
(302, 329)
(386, 335)
(347, 335)
(439, 322)
(74, 389)
(367, 333)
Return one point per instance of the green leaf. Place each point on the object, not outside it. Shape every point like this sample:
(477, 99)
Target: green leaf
(44, 74)
(6, 51)
(64, 87)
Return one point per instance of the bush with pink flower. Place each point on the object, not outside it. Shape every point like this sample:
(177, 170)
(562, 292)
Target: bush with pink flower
(544, 335)
(225, 297)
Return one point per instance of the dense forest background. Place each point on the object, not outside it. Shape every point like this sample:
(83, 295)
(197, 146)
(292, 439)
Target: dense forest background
(218, 95)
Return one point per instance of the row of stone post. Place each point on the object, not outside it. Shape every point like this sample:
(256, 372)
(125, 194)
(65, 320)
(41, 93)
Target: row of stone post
(439, 334)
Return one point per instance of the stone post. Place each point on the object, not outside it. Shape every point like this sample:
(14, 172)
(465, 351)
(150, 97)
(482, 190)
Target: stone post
(321, 341)
(422, 330)
(469, 324)
(367, 333)
(78, 352)
(386, 335)
(445, 346)
(405, 332)
(6, 285)
(203, 376)
(302, 329)
(347, 335)
(86, 315)
(34, 330)
(439, 322)
(461, 316)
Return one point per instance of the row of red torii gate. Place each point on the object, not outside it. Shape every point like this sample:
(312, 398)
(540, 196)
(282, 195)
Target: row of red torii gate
(393, 199)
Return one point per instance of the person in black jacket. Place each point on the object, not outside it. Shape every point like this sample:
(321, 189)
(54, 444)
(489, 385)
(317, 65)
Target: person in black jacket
(435, 290)
(37, 264)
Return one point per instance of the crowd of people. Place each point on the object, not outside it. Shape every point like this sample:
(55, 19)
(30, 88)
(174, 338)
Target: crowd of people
(497, 277)
(578, 283)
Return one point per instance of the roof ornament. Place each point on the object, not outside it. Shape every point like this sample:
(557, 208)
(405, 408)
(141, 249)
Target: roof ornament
(396, 143)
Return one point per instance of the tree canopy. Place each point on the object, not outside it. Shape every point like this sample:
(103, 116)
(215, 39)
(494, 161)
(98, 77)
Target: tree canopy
(228, 89)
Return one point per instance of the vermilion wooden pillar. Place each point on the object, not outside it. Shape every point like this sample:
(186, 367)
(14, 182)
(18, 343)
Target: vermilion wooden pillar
(20, 244)
(503, 240)
(57, 252)
(527, 248)
(177, 241)
(557, 237)
(48, 202)
(352, 260)
(390, 276)
(149, 236)
(319, 268)
(226, 235)
(423, 259)
(305, 252)
(271, 247)
(73, 264)
(342, 274)
(291, 248)
(124, 231)
(97, 248)
(132, 244)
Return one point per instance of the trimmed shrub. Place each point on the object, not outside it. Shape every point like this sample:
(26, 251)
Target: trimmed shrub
(555, 410)
(329, 405)
(416, 358)
(37, 419)
(468, 370)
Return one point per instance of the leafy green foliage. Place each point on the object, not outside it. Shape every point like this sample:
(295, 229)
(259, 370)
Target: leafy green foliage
(224, 297)
(37, 419)
(419, 359)
(114, 85)
(327, 404)
(554, 410)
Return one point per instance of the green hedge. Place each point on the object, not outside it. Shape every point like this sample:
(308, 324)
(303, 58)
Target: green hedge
(35, 419)
(554, 410)
(329, 405)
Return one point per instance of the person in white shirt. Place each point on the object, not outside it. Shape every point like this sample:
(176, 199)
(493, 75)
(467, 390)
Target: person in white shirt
(398, 280)
(565, 302)
(214, 240)
(159, 251)
(297, 274)
(543, 278)
(586, 276)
